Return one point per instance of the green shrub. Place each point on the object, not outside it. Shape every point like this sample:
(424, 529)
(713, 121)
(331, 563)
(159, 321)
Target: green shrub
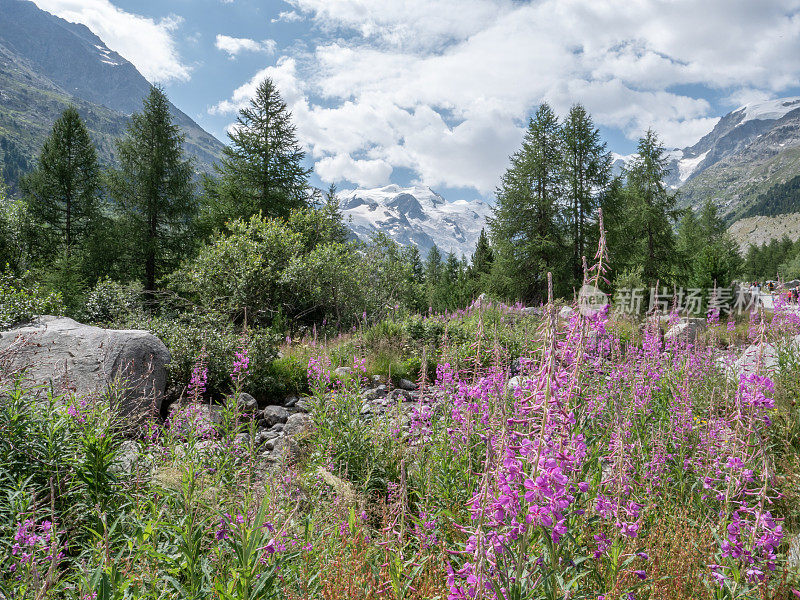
(111, 302)
(19, 302)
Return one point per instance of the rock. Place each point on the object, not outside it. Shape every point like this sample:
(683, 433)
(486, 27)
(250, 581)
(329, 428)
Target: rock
(531, 310)
(401, 394)
(747, 363)
(304, 404)
(685, 329)
(382, 390)
(343, 489)
(406, 384)
(89, 360)
(377, 380)
(246, 403)
(290, 401)
(264, 436)
(369, 395)
(793, 556)
(127, 458)
(297, 424)
(242, 440)
(273, 415)
(202, 419)
(517, 382)
(288, 450)
(566, 312)
(343, 371)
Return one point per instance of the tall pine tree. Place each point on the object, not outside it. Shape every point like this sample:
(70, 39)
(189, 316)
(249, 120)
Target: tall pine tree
(524, 226)
(154, 189)
(587, 173)
(651, 212)
(62, 193)
(262, 168)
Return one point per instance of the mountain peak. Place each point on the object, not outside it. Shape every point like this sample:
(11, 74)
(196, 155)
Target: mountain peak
(415, 215)
(770, 110)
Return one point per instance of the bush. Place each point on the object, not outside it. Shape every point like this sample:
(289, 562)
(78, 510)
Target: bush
(194, 337)
(111, 302)
(19, 302)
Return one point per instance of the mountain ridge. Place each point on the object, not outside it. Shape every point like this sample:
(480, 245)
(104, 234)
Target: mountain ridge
(48, 63)
(414, 215)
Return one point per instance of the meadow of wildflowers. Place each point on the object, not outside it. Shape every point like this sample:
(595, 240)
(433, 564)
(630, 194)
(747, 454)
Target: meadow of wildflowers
(566, 460)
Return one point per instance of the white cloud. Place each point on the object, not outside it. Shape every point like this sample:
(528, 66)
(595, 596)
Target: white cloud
(364, 173)
(287, 16)
(444, 87)
(233, 46)
(147, 43)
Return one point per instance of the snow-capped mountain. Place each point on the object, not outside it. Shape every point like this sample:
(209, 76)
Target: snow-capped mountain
(415, 215)
(749, 150)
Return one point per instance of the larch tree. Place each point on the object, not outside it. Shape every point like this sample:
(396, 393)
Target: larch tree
(154, 188)
(587, 173)
(62, 192)
(525, 228)
(262, 168)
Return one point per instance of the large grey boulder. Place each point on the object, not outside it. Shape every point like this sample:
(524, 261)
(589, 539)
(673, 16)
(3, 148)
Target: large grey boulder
(73, 357)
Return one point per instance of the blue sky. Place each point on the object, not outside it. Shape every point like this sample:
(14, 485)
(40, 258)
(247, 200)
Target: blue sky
(437, 92)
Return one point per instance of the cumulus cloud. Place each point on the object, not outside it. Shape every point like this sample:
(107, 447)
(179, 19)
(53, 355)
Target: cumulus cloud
(147, 43)
(233, 46)
(362, 172)
(287, 16)
(445, 87)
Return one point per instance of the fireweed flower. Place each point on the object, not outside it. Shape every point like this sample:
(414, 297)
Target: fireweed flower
(241, 365)
(197, 384)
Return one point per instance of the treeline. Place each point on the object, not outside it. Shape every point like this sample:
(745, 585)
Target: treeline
(548, 201)
(252, 243)
(778, 258)
(781, 199)
(255, 245)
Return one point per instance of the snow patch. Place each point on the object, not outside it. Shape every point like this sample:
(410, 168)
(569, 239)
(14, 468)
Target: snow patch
(768, 111)
(425, 220)
(687, 166)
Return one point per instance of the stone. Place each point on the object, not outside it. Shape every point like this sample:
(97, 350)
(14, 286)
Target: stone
(685, 329)
(400, 394)
(272, 415)
(304, 404)
(343, 371)
(127, 458)
(297, 424)
(264, 436)
(203, 419)
(382, 390)
(369, 395)
(406, 384)
(566, 313)
(73, 357)
(242, 440)
(291, 401)
(793, 556)
(246, 403)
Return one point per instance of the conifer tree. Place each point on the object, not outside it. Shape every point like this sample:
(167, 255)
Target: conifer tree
(154, 188)
(587, 172)
(482, 258)
(651, 211)
(62, 192)
(262, 168)
(524, 225)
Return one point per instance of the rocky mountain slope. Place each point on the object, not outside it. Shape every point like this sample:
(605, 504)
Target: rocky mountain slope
(47, 63)
(415, 215)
